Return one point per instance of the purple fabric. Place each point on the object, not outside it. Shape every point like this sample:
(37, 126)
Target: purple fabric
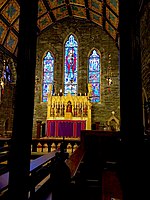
(69, 129)
(78, 128)
(52, 129)
(65, 128)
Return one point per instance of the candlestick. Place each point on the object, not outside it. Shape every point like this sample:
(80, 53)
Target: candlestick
(60, 92)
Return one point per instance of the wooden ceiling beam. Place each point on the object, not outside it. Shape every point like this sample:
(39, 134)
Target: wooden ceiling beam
(49, 10)
(87, 9)
(68, 7)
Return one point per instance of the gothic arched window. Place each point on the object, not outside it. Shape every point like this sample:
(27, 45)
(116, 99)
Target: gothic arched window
(71, 66)
(48, 74)
(94, 75)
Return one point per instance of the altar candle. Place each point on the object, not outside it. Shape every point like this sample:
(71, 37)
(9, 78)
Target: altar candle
(80, 93)
(60, 92)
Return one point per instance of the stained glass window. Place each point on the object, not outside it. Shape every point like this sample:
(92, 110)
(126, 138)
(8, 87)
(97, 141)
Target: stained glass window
(48, 74)
(7, 74)
(94, 75)
(71, 65)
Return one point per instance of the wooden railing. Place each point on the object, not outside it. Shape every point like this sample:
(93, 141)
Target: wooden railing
(75, 160)
(44, 145)
(39, 170)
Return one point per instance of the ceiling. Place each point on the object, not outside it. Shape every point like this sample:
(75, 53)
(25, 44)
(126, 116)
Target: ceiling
(105, 13)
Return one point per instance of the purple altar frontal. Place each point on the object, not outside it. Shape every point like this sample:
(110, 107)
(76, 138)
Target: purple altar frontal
(65, 128)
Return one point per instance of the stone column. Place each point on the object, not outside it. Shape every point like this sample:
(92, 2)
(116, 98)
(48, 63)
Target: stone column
(20, 147)
(43, 129)
(132, 131)
(39, 124)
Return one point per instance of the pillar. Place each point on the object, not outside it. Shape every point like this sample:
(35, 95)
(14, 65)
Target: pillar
(20, 147)
(39, 124)
(132, 131)
(43, 129)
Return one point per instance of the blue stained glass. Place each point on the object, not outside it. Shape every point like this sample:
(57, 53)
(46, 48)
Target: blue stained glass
(70, 68)
(7, 74)
(48, 74)
(94, 75)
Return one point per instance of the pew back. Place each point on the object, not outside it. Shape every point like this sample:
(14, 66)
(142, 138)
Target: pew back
(36, 167)
(75, 160)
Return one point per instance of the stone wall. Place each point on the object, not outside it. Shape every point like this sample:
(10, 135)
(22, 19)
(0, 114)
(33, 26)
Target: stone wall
(145, 48)
(7, 99)
(89, 36)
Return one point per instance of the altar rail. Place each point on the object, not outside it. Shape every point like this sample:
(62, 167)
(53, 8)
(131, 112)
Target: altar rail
(44, 145)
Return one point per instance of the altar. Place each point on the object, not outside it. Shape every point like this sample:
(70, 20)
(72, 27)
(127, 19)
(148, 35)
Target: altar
(67, 128)
(67, 115)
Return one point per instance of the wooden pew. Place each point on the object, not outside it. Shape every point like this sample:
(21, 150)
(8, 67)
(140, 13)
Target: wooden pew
(75, 160)
(36, 175)
(39, 170)
(3, 159)
(4, 178)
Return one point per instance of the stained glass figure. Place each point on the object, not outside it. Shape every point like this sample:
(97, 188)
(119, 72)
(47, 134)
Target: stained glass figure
(48, 74)
(94, 75)
(71, 63)
(7, 74)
